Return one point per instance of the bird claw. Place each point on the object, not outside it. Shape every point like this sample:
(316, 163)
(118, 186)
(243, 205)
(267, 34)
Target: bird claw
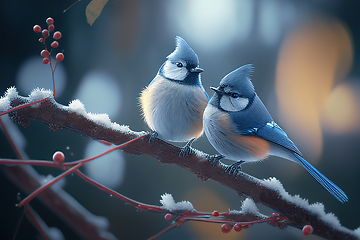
(234, 168)
(215, 159)
(153, 136)
(187, 149)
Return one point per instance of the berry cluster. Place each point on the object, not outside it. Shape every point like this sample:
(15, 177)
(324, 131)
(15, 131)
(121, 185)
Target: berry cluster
(226, 227)
(45, 34)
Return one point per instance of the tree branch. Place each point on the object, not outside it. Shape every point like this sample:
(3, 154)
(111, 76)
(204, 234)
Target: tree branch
(267, 192)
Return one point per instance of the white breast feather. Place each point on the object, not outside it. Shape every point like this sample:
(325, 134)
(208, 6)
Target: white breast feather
(173, 110)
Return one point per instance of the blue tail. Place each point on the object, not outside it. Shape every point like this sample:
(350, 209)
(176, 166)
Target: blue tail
(330, 186)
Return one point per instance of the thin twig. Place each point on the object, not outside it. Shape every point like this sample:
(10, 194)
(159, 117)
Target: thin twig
(36, 222)
(47, 185)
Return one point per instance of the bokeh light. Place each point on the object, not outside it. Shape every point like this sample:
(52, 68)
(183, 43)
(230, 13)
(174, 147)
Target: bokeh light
(311, 60)
(342, 111)
(109, 169)
(33, 73)
(100, 93)
(212, 24)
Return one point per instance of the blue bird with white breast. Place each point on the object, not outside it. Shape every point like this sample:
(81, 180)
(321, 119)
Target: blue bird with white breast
(240, 128)
(174, 101)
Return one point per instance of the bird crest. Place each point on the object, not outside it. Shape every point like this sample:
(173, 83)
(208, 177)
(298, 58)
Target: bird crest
(183, 52)
(241, 73)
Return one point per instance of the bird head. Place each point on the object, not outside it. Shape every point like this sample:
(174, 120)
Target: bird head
(182, 65)
(236, 91)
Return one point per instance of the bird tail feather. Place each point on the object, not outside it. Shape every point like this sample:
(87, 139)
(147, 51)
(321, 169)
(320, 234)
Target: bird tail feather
(324, 181)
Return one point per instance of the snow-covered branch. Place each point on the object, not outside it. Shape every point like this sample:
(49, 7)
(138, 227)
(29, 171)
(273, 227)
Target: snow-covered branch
(99, 127)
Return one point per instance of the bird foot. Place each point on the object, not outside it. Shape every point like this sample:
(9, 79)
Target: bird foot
(234, 168)
(187, 149)
(153, 136)
(215, 159)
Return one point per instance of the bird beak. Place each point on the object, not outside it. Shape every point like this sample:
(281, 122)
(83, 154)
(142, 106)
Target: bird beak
(217, 90)
(196, 70)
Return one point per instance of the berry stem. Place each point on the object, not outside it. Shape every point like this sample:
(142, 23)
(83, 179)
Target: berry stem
(53, 75)
(52, 182)
(130, 201)
(163, 231)
(71, 5)
(36, 222)
(63, 165)
(13, 146)
(104, 153)
(29, 162)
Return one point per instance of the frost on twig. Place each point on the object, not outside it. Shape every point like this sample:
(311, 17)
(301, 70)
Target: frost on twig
(269, 193)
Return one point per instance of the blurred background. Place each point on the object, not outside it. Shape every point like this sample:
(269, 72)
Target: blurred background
(306, 59)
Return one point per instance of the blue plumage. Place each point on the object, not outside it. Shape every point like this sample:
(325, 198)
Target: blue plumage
(240, 128)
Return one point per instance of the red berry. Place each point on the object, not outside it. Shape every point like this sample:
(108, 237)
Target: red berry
(49, 20)
(41, 39)
(37, 28)
(45, 33)
(237, 227)
(58, 157)
(307, 229)
(168, 216)
(54, 44)
(51, 27)
(226, 228)
(46, 61)
(59, 57)
(45, 53)
(275, 215)
(215, 213)
(57, 35)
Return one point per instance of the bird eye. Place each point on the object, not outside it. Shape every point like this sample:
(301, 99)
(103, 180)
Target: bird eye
(179, 64)
(235, 95)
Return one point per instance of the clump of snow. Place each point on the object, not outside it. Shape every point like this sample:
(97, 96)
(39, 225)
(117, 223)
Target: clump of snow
(276, 185)
(78, 107)
(103, 119)
(40, 93)
(100, 118)
(169, 203)
(10, 93)
(316, 208)
(249, 206)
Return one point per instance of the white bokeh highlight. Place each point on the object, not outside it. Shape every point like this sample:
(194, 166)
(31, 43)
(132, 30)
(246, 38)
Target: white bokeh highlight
(100, 93)
(33, 74)
(211, 24)
(109, 169)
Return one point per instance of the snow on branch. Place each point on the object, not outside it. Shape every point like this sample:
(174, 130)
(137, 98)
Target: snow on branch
(169, 203)
(99, 127)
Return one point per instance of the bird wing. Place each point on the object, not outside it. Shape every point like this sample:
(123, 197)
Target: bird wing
(256, 121)
(273, 133)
